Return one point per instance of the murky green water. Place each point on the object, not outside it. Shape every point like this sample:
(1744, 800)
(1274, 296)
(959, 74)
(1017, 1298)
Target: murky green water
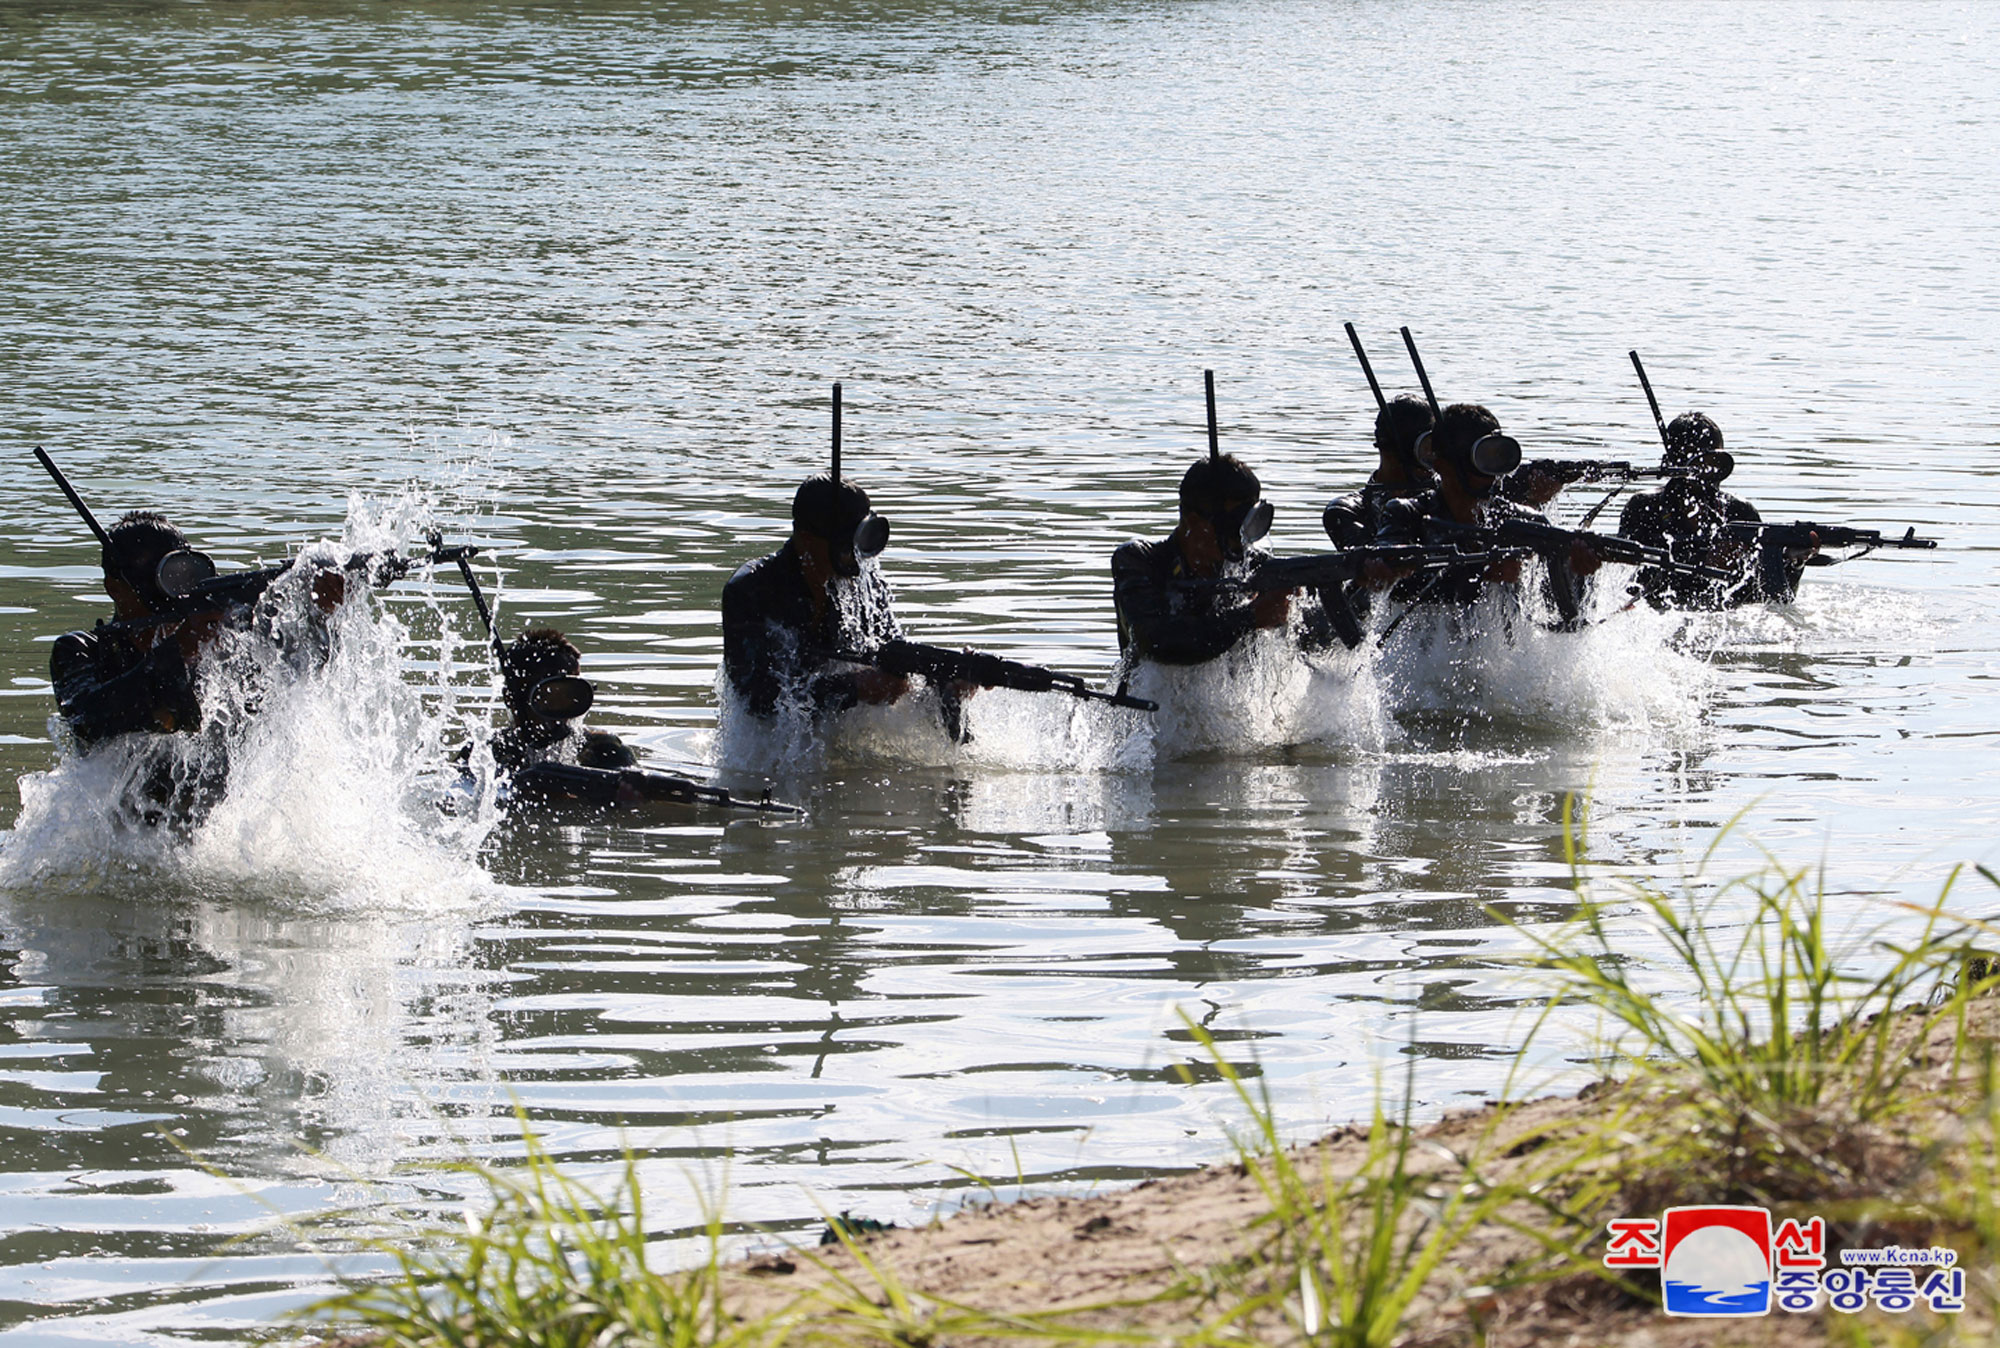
(581, 278)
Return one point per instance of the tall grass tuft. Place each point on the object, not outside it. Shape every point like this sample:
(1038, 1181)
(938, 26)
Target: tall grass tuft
(1771, 1036)
(1344, 1258)
(549, 1263)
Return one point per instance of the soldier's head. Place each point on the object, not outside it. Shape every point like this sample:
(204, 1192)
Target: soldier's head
(1221, 494)
(133, 550)
(1694, 442)
(1399, 425)
(836, 516)
(1467, 447)
(540, 669)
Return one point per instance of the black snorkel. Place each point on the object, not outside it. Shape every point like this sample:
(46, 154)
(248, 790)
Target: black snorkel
(1374, 385)
(562, 698)
(849, 541)
(1237, 529)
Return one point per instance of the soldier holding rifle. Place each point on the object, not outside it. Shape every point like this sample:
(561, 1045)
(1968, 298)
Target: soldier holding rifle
(141, 673)
(1472, 457)
(1689, 516)
(784, 615)
(1174, 603)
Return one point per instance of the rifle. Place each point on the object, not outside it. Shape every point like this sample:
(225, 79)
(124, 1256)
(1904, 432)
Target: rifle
(940, 665)
(1331, 572)
(192, 586)
(1552, 544)
(1774, 540)
(605, 787)
(1571, 471)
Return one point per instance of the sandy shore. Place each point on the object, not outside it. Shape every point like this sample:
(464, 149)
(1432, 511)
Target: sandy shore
(1173, 1257)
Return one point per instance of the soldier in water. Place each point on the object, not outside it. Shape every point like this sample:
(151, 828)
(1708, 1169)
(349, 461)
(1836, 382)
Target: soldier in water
(1472, 458)
(546, 696)
(1688, 514)
(1352, 521)
(135, 674)
(784, 615)
(1171, 608)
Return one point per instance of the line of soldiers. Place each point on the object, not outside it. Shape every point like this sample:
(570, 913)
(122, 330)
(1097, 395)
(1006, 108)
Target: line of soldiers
(1449, 515)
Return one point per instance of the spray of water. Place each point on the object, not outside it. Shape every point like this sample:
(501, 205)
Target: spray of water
(1501, 662)
(320, 774)
(1000, 729)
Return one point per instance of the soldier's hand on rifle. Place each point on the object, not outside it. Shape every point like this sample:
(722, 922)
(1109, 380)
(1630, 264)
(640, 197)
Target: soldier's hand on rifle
(191, 634)
(329, 590)
(1798, 556)
(1377, 574)
(1534, 487)
(1273, 608)
(875, 687)
(1583, 558)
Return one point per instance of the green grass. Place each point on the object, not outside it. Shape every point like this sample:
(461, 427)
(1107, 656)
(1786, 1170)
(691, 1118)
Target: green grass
(1770, 1036)
(550, 1264)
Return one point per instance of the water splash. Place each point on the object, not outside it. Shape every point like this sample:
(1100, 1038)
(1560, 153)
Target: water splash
(324, 767)
(1500, 662)
(998, 729)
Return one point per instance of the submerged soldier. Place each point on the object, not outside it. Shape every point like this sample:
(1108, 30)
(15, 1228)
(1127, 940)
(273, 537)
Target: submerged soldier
(1353, 520)
(785, 616)
(542, 743)
(546, 695)
(1170, 610)
(1689, 514)
(1472, 458)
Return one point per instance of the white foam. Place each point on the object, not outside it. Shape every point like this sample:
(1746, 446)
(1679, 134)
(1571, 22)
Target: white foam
(337, 792)
(1498, 661)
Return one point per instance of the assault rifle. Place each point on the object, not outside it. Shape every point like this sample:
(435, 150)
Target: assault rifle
(1330, 573)
(1568, 472)
(940, 665)
(192, 586)
(188, 578)
(1773, 541)
(1553, 544)
(1805, 534)
(605, 787)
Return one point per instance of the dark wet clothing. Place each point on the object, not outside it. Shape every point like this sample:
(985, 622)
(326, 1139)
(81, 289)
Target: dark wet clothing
(1353, 520)
(1454, 586)
(1166, 616)
(1688, 519)
(775, 646)
(518, 748)
(117, 680)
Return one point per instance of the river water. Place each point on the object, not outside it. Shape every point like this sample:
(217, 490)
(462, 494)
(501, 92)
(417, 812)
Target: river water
(574, 282)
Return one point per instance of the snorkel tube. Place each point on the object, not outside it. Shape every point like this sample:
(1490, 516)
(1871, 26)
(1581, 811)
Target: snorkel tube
(839, 513)
(1236, 530)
